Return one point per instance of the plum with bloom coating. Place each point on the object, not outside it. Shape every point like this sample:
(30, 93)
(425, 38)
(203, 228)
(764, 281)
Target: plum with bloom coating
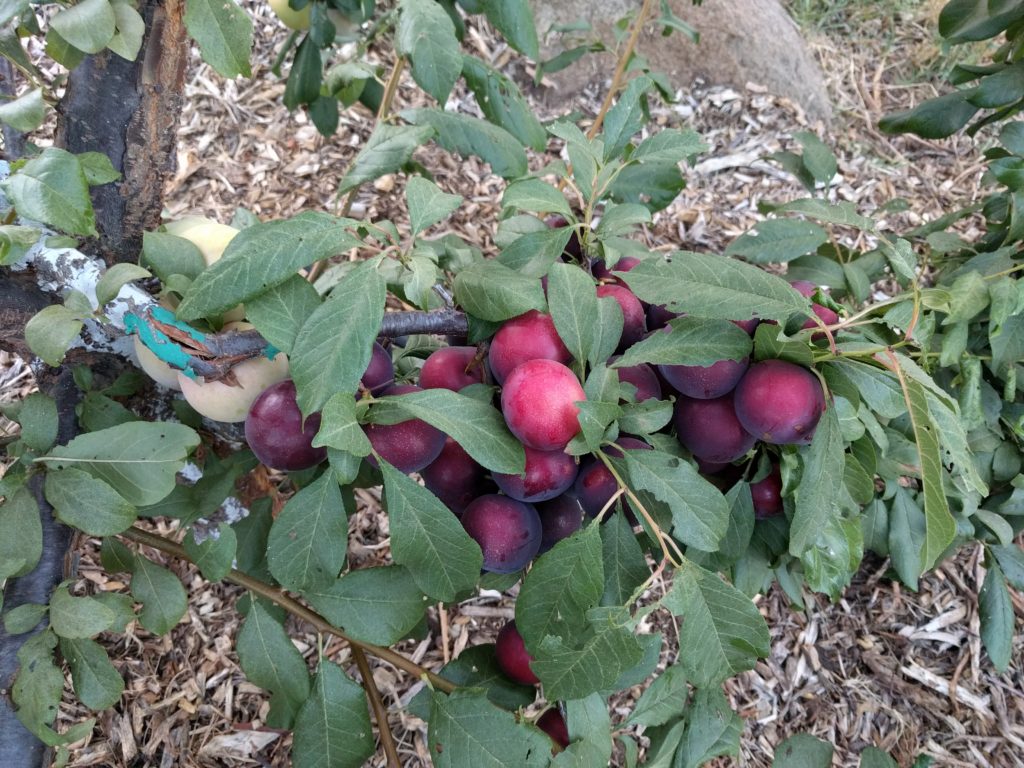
(539, 400)
(455, 478)
(275, 431)
(452, 368)
(634, 318)
(512, 656)
(641, 376)
(705, 383)
(508, 531)
(767, 494)
(710, 430)
(553, 724)
(560, 518)
(779, 402)
(547, 474)
(409, 446)
(595, 484)
(380, 372)
(530, 336)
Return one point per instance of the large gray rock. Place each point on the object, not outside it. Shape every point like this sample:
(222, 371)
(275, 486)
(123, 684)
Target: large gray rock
(741, 41)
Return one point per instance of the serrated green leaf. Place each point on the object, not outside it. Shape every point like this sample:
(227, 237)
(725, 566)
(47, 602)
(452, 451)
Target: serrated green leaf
(90, 505)
(21, 533)
(778, 241)
(308, 541)
(670, 145)
(113, 279)
(590, 734)
(665, 699)
(339, 428)
(722, 630)
(690, 341)
(818, 493)
(997, 618)
(477, 667)
(626, 118)
(332, 729)
(532, 253)
(15, 242)
(270, 660)
(712, 729)
(428, 539)
(97, 683)
(214, 556)
(262, 257)
(25, 113)
(469, 135)
(378, 605)
(51, 331)
(428, 204)
(37, 415)
(333, 348)
(280, 313)
(502, 103)
(932, 119)
(386, 151)
(88, 25)
(52, 189)
(164, 600)
(37, 688)
(139, 460)
(906, 537)
(96, 166)
(537, 196)
(122, 606)
(494, 292)
(426, 36)
(131, 28)
(1011, 562)
(24, 618)
(803, 751)
(168, 254)
(514, 19)
(224, 33)
(625, 567)
(305, 76)
(572, 299)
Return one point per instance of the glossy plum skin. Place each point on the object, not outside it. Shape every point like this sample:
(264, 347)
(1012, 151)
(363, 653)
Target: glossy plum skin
(452, 368)
(710, 430)
(508, 531)
(634, 319)
(530, 336)
(553, 724)
(642, 377)
(512, 656)
(826, 315)
(595, 485)
(380, 373)
(538, 401)
(548, 473)
(560, 518)
(707, 383)
(455, 478)
(409, 446)
(779, 402)
(767, 494)
(276, 434)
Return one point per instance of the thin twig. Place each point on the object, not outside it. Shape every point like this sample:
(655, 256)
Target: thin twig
(387, 740)
(297, 609)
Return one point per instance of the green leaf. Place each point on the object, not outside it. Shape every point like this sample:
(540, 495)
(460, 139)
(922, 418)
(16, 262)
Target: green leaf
(477, 426)
(477, 667)
(163, 599)
(426, 36)
(25, 113)
(879, 388)
(97, 683)
(590, 733)
(307, 543)
(465, 729)
(270, 660)
(37, 688)
(37, 415)
(339, 428)
(333, 348)
(52, 189)
(428, 539)
(873, 757)
(492, 291)
(15, 241)
(712, 729)
(620, 219)
(563, 584)
(700, 513)
(215, 555)
(651, 184)
(224, 34)
(113, 279)
(60, 50)
(303, 86)
(818, 493)
(127, 42)
(833, 556)
(332, 729)
(386, 151)
(644, 418)
(122, 606)
(532, 253)
(711, 286)
(88, 504)
(379, 605)
(428, 204)
(502, 103)
(573, 302)
(514, 19)
(625, 567)
(932, 119)
(996, 612)
(568, 673)
(96, 166)
(168, 254)
(24, 618)
(51, 331)
(670, 145)
(965, 20)
(88, 25)
(139, 459)
(1011, 562)
(778, 241)
(626, 118)
(843, 213)
(537, 196)
(817, 157)
(690, 341)
(468, 135)
(280, 313)
(906, 537)
(21, 533)
(116, 557)
(609, 322)
(803, 751)
(723, 631)
(263, 256)
(665, 699)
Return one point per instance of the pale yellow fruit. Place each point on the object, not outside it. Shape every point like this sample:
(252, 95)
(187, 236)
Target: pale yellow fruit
(298, 20)
(221, 402)
(211, 238)
(154, 367)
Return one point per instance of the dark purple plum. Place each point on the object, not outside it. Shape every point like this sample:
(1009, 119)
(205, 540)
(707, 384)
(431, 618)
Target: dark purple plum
(508, 531)
(710, 430)
(539, 400)
(512, 656)
(634, 320)
(380, 373)
(601, 272)
(595, 485)
(705, 383)
(826, 315)
(553, 724)
(452, 368)
(767, 494)
(560, 518)
(409, 446)
(658, 316)
(455, 478)
(642, 377)
(530, 336)
(547, 474)
(275, 431)
(748, 325)
(779, 402)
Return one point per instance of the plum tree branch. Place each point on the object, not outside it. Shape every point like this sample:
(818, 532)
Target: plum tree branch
(380, 714)
(294, 607)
